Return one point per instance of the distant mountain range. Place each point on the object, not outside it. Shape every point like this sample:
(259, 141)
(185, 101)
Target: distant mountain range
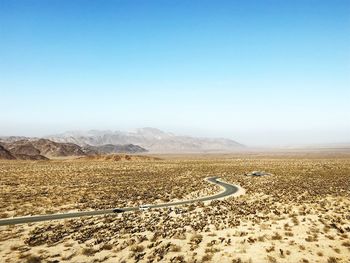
(43, 149)
(108, 142)
(154, 140)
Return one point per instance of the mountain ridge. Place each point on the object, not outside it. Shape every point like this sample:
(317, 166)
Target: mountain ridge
(152, 139)
(44, 149)
(5, 154)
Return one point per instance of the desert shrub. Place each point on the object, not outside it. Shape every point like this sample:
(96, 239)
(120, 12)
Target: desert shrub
(346, 244)
(332, 260)
(289, 234)
(212, 250)
(137, 248)
(15, 247)
(310, 239)
(197, 238)
(33, 259)
(207, 257)
(269, 249)
(178, 259)
(174, 248)
(88, 251)
(107, 246)
(276, 236)
(295, 220)
(271, 259)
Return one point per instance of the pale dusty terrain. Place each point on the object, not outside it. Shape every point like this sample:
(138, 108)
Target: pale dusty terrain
(299, 214)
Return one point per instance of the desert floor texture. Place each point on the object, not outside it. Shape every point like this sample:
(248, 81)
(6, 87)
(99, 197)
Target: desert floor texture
(300, 213)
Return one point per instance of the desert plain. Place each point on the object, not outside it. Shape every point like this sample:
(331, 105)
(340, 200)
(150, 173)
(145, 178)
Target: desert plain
(299, 213)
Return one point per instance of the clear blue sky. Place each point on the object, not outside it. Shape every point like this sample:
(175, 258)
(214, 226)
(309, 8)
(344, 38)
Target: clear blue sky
(261, 72)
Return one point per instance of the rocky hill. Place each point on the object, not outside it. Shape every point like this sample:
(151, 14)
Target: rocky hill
(24, 150)
(151, 139)
(53, 149)
(111, 148)
(119, 157)
(5, 154)
(42, 149)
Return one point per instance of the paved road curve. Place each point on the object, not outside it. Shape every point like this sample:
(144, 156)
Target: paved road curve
(229, 189)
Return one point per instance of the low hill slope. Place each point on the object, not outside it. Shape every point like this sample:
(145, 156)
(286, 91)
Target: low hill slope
(24, 150)
(5, 154)
(31, 157)
(119, 157)
(22, 147)
(111, 148)
(41, 149)
(53, 149)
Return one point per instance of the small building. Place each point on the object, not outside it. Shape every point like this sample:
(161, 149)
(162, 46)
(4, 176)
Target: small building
(257, 173)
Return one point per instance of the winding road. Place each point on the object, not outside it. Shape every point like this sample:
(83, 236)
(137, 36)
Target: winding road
(228, 190)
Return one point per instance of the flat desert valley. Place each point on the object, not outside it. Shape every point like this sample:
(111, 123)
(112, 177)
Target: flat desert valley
(299, 212)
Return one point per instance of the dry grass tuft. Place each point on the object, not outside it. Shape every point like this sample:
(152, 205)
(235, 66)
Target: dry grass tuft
(33, 259)
(276, 236)
(137, 248)
(88, 251)
(271, 259)
(207, 257)
(332, 260)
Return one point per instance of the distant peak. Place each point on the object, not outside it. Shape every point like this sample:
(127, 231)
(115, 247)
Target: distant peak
(150, 129)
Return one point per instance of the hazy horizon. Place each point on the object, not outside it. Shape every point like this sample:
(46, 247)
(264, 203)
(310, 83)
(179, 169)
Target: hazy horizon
(263, 73)
(279, 137)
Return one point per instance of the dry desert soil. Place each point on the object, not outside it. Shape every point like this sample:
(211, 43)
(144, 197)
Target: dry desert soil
(299, 213)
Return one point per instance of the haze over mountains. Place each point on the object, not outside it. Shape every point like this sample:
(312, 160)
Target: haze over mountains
(112, 148)
(96, 142)
(152, 139)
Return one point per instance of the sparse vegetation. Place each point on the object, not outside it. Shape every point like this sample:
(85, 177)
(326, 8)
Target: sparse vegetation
(332, 260)
(305, 199)
(88, 251)
(33, 259)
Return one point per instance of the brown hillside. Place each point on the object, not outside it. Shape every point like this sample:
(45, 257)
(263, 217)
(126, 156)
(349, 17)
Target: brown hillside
(5, 154)
(119, 157)
(22, 147)
(24, 150)
(53, 149)
(42, 149)
(37, 157)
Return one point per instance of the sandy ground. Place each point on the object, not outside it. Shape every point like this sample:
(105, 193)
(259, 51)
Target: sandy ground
(299, 214)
